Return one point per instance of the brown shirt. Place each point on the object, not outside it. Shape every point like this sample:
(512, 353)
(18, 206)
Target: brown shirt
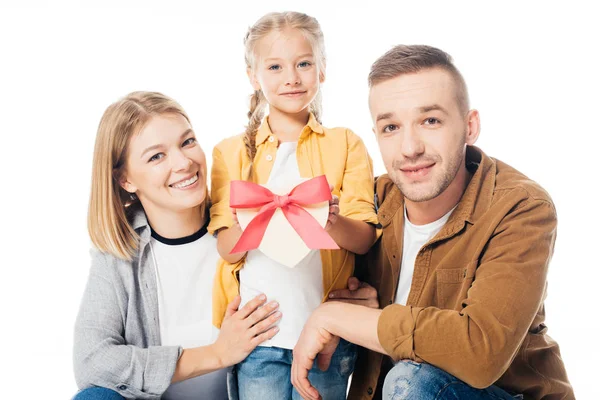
(475, 307)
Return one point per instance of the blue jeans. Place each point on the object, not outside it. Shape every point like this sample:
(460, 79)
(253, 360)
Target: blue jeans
(266, 374)
(411, 380)
(98, 393)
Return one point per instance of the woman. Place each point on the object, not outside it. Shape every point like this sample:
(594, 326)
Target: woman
(144, 327)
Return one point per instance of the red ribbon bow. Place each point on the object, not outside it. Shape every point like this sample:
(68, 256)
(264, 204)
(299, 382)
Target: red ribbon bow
(250, 195)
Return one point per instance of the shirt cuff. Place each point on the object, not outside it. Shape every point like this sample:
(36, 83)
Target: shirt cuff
(395, 330)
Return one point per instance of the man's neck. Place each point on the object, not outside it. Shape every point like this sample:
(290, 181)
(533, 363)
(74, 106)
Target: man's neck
(426, 212)
(287, 127)
(175, 224)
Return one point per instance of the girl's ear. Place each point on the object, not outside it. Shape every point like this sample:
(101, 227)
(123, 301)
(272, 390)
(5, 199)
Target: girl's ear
(252, 78)
(322, 75)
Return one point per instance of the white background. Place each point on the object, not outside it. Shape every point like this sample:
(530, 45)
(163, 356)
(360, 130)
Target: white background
(531, 68)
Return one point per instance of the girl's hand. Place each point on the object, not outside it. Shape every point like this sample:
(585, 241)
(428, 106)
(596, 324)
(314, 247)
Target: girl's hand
(242, 330)
(334, 211)
(234, 213)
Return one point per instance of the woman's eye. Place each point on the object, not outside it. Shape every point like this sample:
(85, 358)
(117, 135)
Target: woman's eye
(156, 157)
(189, 141)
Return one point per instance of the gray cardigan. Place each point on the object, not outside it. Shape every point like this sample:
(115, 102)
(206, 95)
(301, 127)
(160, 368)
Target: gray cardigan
(117, 335)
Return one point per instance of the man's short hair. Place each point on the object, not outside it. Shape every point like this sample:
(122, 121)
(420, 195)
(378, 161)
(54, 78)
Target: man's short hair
(409, 59)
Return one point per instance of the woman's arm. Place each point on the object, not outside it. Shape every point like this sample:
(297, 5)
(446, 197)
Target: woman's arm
(240, 333)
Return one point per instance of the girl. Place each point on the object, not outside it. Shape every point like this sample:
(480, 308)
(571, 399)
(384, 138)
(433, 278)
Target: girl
(286, 65)
(143, 330)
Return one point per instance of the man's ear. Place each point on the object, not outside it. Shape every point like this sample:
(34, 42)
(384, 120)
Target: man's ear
(473, 127)
(252, 78)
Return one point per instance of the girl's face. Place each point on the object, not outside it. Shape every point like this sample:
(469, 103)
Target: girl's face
(286, 71)
(166, 167)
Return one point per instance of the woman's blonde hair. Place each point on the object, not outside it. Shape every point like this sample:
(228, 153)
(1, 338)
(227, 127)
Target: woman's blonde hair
(279, 21)
(111, 206)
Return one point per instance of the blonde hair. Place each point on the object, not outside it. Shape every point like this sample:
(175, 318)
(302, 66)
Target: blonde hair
(279, 21)
(110, 208)
(409, 59)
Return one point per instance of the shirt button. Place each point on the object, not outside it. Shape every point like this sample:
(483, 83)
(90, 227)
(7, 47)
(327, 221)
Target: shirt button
(370, 390)
(123, 387)
(269, 157)
(271, 138)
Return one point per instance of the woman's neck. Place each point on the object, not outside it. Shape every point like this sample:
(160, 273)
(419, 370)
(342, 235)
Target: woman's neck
(175, 224)
(287, 127)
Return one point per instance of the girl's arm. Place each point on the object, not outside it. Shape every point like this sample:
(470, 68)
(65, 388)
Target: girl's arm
(353, 229)
(350, 234)
(227, 239)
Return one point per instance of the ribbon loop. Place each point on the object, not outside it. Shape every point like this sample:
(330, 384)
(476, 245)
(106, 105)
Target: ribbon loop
(250, 195)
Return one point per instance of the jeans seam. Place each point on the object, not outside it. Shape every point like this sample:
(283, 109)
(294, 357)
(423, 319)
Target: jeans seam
(462, 383)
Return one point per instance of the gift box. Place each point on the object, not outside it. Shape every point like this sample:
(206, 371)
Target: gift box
(284, 222)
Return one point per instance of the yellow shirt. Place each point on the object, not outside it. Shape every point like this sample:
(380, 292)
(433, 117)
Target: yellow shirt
(337, 153)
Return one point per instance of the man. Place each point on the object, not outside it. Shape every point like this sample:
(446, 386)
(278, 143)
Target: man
(462, 261)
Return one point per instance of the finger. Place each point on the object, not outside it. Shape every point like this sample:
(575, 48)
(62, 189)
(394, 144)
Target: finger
(233, 306)
(261, 313)
(265, 324)
(301, 382)
(256, 340)
(251, 306)
(323, 361)
(353, 283)
(359, 302)
(334, 209)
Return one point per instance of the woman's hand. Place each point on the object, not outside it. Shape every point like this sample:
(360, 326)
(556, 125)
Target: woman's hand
(242, 330)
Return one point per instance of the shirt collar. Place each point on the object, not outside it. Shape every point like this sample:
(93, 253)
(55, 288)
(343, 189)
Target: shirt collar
(264, 131)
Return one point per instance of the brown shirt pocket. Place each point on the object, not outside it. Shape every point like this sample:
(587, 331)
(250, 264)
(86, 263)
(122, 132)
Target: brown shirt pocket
(452, 286)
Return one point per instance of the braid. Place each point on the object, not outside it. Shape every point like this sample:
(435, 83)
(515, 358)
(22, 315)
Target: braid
(255, 116)
(316, 107)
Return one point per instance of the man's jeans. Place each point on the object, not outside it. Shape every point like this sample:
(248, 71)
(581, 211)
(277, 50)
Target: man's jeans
(98, 393)
(266, 374)
(414, 381)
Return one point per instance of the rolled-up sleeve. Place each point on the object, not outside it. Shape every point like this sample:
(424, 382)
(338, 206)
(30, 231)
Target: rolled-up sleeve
(220, 212)
(478, 343)
(100, 355)
(357, 190)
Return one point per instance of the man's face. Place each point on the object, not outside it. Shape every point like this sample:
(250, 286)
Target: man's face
(421, 131)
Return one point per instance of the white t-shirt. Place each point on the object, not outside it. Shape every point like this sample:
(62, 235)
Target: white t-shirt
(415, 237)
(298, 290)
(185, 270)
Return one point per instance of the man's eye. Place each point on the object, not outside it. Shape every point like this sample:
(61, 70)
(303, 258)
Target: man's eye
(431, 121)
(390, 128)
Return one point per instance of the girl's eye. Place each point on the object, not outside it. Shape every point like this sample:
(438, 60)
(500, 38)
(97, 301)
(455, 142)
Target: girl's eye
(304, 64)
(189, 141)
(156, 157)
(389, 128)
(274, 67)
(431, 121)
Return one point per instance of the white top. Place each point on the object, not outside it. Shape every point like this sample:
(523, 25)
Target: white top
(185, 270)
(298, 290)
(415, 237)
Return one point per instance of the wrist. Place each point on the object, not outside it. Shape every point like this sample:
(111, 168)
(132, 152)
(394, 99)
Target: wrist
(218, 355)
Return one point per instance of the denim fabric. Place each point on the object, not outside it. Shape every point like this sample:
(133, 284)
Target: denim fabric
(98, 393)
(266, 374)
(414, 381)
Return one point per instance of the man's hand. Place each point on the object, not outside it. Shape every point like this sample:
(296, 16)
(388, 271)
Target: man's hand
(358, 292)
(314, 342)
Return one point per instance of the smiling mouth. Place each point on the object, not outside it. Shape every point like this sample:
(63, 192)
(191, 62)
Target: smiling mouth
(291, 94)
(185, 183)
(417, 170)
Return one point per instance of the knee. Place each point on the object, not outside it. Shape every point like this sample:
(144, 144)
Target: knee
(98, 393)
(410, 380)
